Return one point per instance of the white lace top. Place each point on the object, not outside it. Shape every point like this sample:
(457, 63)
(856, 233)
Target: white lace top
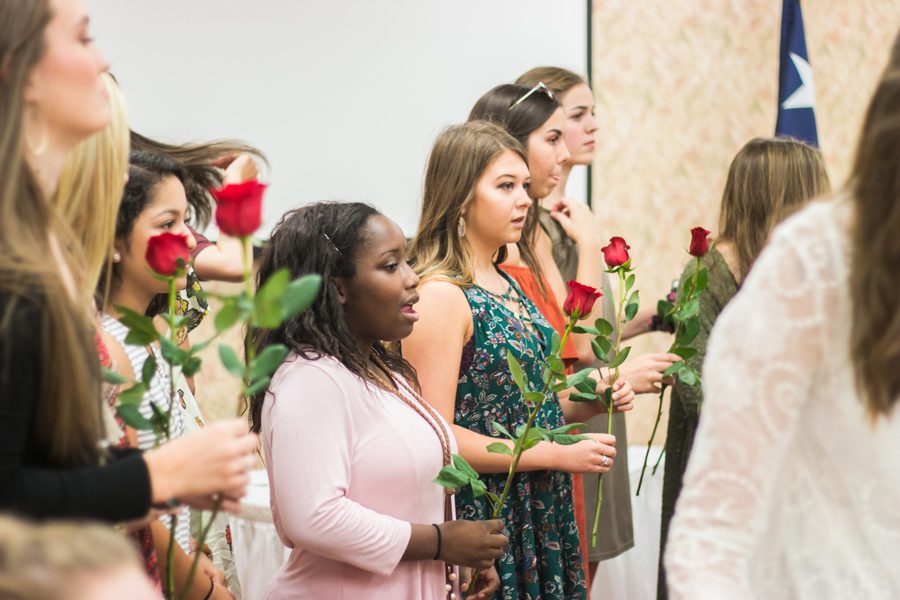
(792, 491)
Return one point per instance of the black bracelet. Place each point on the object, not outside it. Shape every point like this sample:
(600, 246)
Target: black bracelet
(437, 553)
(212, 586)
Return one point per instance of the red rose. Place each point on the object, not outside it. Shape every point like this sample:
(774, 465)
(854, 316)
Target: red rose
(616, 253)
(699, 241)
(164, 250)
(580, 300)
(239, 209)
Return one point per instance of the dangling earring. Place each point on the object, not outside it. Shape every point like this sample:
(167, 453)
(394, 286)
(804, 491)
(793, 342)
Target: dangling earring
(41, 147)
(461, 227)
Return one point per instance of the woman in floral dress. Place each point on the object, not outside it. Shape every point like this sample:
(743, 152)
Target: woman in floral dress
(471, 313)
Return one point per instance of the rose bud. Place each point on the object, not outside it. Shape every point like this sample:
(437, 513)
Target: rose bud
(699, 241)
(239, 207)
(164, 250)
(580, 300)
(616, 253)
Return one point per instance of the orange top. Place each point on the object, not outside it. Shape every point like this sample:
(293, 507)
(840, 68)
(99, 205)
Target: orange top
(549, 305)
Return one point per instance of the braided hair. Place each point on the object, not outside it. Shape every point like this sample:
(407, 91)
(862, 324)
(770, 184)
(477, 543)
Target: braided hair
(324, 238)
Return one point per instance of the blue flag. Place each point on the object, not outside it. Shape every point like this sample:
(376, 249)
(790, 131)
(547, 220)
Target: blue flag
(796, 92)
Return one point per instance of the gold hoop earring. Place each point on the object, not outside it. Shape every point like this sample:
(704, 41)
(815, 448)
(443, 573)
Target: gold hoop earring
(41, 147)
(461, 227)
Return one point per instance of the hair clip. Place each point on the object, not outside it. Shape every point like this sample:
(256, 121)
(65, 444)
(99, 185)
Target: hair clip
(325, 235)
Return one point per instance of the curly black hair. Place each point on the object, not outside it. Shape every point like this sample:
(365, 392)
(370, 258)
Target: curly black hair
(323, 238)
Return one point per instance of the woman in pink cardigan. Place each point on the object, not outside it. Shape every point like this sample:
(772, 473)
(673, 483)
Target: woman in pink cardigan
(351, 446)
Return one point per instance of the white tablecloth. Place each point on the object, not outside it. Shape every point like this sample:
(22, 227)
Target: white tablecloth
(632, 574)
(258, 552)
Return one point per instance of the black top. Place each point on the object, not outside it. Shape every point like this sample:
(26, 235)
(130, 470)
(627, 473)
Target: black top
(29, 484)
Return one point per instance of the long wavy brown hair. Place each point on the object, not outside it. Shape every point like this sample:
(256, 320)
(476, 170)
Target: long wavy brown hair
(875, 261)
(769, 179)
(67, 425)
(458, 159)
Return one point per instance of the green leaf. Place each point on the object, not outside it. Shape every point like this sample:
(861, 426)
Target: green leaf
(568, 440)
(598, 350)
(604, 326)
(110, 376)
(141, 330)
(133, 395)
(227, 316)
(530, 443)
(231, 361)
(148, 370)
(690, 309)
(132, 417)
(629, 282)
(501, 429)
(558, 387)
(620, 357)
(702, 279)
(499, 448)
(688, 376)
(460, 463)
(478, 488)
(556, 364)
(494, 500)
(579, 377)
(451, 478)
(689, 330)
(515, 370)
(191, 366)
(172, 353)
(533, 397)
(159, 419)
(607, 395)
(631, 308)
(589, 386)
(565, 428)
(268, 311)
(685, 352)
(258, 385)
(268, 360)
(583, 397)
(300, 295)
(554, 343)
(673, 368)
(586, 329)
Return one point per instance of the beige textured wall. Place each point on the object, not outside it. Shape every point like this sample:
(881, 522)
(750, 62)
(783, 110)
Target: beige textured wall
(681, 86)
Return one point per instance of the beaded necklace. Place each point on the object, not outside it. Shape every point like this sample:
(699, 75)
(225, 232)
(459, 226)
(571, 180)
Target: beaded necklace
(426, 411)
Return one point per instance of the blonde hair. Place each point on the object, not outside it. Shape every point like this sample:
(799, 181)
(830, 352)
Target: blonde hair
(90, 189)
(38, 562)
(556, 78)
(769, 179)
(874, 291)
(67, 425)
(458, 159)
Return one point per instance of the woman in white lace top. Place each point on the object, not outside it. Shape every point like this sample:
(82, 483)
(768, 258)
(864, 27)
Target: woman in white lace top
(793, 487)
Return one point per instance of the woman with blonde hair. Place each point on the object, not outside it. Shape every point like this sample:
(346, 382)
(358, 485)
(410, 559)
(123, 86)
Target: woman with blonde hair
(475, 202)
(53, 461)
(769, 179)
(792, 488)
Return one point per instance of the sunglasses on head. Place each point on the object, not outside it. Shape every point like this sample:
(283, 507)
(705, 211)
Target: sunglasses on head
(540, 87)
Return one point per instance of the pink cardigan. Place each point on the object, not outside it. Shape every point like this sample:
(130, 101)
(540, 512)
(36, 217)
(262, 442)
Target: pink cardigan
(350, 467)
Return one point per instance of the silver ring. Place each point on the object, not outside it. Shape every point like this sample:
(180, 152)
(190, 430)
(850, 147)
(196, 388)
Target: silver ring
(604, 461)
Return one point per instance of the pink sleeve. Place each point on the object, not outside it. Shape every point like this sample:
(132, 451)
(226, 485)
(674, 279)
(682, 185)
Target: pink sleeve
(309, 432)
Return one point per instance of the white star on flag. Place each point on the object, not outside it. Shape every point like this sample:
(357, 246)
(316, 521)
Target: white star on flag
(803, 96)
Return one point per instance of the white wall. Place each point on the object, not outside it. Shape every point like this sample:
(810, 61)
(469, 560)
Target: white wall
(344, 96)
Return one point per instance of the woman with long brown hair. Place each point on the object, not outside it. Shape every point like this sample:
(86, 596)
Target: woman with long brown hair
(768, 180)
(52, 462)
(792, 488)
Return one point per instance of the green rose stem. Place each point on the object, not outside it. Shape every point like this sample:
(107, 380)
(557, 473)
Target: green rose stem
(518, 448)
(170, 551)
(659, 458)
(251, 353)
(679, 328)
(609, 407)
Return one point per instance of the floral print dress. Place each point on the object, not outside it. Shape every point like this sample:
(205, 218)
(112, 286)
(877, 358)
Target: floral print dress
(543, 559)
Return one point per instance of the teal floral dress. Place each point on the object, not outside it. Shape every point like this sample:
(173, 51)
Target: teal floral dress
(543, 560)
